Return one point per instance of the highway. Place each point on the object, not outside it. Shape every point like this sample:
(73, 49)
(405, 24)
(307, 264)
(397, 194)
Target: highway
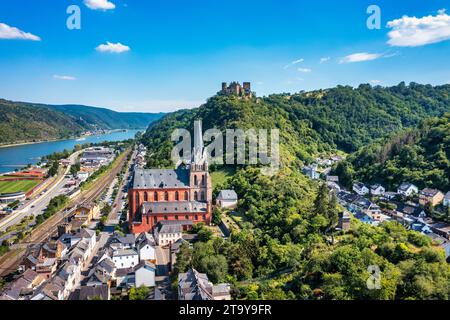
(37, 205)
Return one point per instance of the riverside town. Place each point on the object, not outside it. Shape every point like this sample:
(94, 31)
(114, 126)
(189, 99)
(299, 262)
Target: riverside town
(206, 160)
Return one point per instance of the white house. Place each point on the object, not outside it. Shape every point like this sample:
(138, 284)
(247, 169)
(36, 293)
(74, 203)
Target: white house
(125, 258)
(145, 245)
(377, 190)
(227, 199)
(311, 171)
(447, 199)
(82, 176)
(144, 274)
(406, 189)
(168, 232)
(360, 189)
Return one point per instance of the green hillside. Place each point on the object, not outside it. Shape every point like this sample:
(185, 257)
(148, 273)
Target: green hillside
(108, 119)
(420, 155)
(288, 248)
(27, 122)
(21, 122)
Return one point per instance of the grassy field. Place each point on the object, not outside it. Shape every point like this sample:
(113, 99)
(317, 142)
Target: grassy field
(220, 176)
(17, 186)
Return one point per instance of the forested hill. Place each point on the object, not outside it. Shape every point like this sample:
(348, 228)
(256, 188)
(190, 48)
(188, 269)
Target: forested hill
(286, 247)
(420, 155)
(25, 122)
(314, 122)
(108, 119)
(21, 122)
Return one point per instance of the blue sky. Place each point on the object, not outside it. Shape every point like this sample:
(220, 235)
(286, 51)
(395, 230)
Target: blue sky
(172, 54)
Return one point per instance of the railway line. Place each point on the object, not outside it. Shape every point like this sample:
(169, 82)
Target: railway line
(10, 261)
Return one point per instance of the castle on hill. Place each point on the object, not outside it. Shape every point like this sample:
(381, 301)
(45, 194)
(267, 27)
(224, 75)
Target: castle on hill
(236, 89)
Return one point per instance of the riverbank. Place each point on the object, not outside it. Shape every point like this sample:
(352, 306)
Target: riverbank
(24, 143)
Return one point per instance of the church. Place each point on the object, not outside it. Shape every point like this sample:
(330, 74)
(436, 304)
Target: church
(183, 194)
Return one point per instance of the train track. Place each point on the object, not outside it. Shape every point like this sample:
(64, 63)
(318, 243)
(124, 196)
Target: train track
(10, 261)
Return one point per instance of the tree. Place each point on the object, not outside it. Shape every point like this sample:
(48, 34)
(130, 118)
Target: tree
(140, 293)
(204, 235)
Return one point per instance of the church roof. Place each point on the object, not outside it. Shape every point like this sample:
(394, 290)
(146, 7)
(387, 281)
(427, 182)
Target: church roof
(174, 207)
(160, 178)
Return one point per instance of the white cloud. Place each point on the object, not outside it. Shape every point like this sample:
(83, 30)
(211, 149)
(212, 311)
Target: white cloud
(304, 70)
(324, 59)
(67, 78)
(376, 82)
(7, 32)
(414, 32)
(360, 57)
(113, 47)
(293, 63)
(99, 4)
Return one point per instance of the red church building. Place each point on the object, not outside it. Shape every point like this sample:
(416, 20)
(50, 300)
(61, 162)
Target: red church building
(183, 194)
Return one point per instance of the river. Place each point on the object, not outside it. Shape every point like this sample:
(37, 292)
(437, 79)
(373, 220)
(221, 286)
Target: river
(16, 157)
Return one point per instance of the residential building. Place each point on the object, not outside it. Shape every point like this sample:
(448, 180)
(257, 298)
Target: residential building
(377, 190)
(125, 258)
(182, 194)
(144, 274)
(430, 196)
(311, 172)
(87, 212)
(101, 292)
(145, 246)
(227, 199)
(168, 232)
(407, 189)
(360, 189)
(193, 285)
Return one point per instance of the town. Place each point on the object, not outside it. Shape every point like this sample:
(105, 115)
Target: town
(373, 204)
(123, 243)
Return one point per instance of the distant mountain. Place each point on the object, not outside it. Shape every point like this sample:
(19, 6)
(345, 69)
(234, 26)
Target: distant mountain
(108, 119)
(28, 122)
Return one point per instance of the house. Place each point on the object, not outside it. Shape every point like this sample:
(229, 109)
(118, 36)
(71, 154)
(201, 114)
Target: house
(193, 285)
(22, 286)
(377, 190)
(447, 199)
(406, 189)
(145, 246)
(101, 292)
(334, 179)
(333, 186)
(87, 212)
(144, 274)
(127, 241)
(82, 176)
(430, 196)
(389, 195)
(168, 232)
(125, 278)
(125, 258)
(103, 273)
(360, 189)
(227, 199)
(311, 172)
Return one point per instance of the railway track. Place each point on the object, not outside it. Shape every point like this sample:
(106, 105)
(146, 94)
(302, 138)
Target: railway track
(10, 261)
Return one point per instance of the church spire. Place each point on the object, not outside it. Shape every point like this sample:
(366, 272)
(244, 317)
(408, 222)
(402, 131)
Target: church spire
(199, 152)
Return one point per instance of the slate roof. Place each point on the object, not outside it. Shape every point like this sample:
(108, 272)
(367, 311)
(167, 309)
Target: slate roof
(174, 207)
(447, 195)
(160, 178)
(405, 186)
(227, 195)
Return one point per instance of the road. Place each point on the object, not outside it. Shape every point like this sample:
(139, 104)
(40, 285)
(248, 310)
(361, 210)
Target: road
(9, 262)
(37, 205)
